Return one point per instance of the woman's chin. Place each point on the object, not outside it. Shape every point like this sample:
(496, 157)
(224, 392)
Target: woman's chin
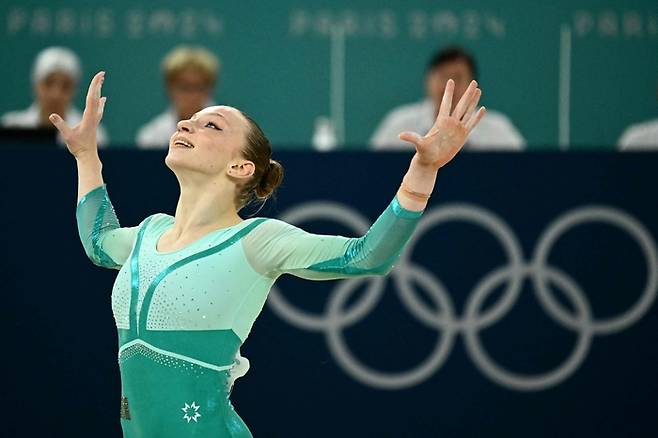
(180, 164)
(174, 160)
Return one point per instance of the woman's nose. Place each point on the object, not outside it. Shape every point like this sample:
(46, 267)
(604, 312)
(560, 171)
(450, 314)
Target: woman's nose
(185, 125)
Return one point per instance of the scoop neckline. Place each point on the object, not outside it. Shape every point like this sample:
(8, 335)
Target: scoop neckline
(194, 242)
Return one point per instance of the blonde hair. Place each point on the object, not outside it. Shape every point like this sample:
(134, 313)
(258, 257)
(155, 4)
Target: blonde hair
(197, 58)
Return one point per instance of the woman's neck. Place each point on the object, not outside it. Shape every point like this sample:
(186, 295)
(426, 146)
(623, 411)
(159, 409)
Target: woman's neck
(203, 207)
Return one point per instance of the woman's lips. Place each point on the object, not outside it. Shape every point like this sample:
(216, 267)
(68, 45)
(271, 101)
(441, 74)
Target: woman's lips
(183, 144)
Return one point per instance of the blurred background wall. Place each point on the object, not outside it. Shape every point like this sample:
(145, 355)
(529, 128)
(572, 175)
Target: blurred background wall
(594, 62)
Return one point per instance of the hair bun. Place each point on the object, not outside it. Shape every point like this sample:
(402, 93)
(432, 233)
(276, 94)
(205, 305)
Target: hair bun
(270, 180)
(268, 168)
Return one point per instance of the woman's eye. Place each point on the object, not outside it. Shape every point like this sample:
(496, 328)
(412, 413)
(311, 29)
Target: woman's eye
(213, 126)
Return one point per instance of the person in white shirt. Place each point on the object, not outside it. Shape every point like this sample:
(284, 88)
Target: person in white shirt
(494, 132)
(641, 136)
(55, 75)
(190, 75)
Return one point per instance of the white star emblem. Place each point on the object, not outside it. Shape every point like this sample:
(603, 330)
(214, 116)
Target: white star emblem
(191, 412)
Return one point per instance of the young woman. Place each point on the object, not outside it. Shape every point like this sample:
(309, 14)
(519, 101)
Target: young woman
(190, 286)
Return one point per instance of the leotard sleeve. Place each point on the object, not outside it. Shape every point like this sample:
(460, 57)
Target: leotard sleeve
(105, 242)
(276, 247)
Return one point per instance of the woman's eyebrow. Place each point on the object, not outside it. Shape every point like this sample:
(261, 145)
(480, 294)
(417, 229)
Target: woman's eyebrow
(196, 115)
(220, 115)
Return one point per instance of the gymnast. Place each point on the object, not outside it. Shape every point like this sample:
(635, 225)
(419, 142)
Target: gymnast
(189, 287)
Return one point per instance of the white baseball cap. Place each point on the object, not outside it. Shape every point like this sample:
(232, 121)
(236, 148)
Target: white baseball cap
(56, 59)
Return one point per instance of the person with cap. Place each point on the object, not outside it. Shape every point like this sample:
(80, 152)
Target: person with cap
(55, 76)
(190, 74)
(494, 132)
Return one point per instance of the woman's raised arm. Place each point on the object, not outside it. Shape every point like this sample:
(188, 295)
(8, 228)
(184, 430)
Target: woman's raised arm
(278, 247)
(441, 143)
(105, 242)
(81, 139)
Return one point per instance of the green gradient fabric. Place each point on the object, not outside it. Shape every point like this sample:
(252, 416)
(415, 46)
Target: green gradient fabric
(182, 315)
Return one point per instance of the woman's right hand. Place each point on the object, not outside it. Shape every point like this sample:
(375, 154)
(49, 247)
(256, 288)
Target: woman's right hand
(81, 138)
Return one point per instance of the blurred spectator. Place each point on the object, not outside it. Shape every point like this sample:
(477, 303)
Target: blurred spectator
(190, 74)
(494, 132)
(55, 77)
(640, 136)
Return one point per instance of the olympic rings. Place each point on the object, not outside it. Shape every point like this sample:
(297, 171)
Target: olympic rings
(407, 273)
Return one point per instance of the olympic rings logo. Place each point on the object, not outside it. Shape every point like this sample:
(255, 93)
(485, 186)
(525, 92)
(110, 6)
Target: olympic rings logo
(406, 273)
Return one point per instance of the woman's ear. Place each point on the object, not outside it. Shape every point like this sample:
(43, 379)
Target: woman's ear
(241, 169)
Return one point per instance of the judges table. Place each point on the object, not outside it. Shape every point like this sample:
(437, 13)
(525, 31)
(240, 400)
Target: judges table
(522, 306)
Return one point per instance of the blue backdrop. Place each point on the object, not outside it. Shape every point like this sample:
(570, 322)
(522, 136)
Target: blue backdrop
(523, 306)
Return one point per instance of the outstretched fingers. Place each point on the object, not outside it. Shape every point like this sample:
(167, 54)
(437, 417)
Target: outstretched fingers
(61, 125)
(472, 105)
(101, 108)
(463, 103)
(94, 91)
(473, 121)
(446, 102)
(92, 102)
(410, 137)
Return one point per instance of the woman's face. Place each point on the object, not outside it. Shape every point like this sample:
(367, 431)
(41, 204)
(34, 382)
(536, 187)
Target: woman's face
(210, 143)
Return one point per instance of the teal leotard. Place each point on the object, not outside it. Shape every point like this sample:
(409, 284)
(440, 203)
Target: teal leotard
(182, 315)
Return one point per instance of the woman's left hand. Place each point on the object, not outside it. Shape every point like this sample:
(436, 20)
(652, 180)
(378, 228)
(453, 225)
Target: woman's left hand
(450, 130)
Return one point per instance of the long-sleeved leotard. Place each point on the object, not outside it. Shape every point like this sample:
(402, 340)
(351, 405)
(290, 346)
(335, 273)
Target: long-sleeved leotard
(182, 315)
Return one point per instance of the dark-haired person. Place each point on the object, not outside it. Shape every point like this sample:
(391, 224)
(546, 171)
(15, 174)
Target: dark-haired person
(55, 76)
(494, 132)
(190, 286)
